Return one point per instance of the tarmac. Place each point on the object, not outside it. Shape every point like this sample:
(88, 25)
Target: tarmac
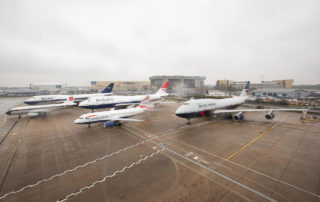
(49, 158)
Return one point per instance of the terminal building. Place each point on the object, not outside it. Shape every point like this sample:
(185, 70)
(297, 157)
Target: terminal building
(48, 86)
(281, 93)
(237, 85)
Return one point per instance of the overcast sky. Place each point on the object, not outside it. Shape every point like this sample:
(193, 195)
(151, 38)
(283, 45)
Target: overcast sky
(77, 41)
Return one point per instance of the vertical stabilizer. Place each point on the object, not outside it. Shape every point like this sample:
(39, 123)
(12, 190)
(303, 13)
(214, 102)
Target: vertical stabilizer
(144, 104)
(244, 92)
(108, 89)
(163, 91)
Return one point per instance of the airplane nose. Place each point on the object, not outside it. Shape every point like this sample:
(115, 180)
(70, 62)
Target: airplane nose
(76, 121)
(8, 112)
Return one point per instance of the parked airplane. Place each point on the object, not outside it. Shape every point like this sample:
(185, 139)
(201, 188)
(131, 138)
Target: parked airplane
(208, 107)
(33, 111)
(113, 117)
(61, 98)
(114, 101)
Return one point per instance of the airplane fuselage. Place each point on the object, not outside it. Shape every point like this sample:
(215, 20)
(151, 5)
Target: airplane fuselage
(205, 107)
(108, 115)
(112, 101)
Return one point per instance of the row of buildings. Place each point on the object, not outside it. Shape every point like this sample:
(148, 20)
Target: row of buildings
(179, 85)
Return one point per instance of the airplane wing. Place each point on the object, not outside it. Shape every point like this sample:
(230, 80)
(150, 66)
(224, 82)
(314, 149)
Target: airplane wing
(124, 119)
(40, 110)
(256, 110)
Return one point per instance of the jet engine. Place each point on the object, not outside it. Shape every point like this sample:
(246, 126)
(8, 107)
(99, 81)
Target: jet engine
(238, 116)
(33, 114)
(270, 115)
(109, 124)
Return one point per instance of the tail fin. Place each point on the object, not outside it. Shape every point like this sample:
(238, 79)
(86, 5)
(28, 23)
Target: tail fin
(244, 92)
(164, 89)
(69, 101)
(108, 89)
(144, 104)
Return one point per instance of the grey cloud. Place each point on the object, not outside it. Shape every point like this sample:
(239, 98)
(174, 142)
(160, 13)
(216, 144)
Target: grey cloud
(79, 41)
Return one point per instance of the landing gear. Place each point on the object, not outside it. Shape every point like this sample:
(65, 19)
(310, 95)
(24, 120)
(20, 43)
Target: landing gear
(19, 116)
(189, 121)
(89, 125)
(92, 110)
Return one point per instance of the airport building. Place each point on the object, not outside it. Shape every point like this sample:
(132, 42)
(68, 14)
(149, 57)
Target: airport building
(50, 87)
(281, 93)
(184, 85)
(124, 87)
(237, 85)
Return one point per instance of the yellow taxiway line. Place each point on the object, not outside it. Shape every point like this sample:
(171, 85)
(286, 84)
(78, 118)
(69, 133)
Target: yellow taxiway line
(4, 120)
(252, 141)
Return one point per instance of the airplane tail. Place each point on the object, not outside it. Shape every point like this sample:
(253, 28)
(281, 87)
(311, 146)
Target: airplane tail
(108, 89)
(145, 103)
(244, 92)
(163, 91)
(69, 101)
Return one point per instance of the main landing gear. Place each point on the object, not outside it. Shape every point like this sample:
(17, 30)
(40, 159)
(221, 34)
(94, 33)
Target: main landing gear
(89, 125)
(189, 121)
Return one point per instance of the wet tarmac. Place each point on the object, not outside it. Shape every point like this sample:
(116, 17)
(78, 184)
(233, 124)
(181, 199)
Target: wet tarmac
(50, 158)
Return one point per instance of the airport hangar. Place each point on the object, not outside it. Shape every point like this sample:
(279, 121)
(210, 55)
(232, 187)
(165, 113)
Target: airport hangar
(182, 84)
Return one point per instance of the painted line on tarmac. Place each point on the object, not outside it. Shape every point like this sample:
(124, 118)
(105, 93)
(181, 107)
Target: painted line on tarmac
(204, 167)
(73, 169)
(252, 141)
(83, 189)
(255, 171)
(6, 135)
(4, 120)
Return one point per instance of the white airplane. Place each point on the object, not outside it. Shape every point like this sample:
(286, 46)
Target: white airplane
(61, 98)
(208, 107)
(113, 117)
(114, 101)
(34, 111)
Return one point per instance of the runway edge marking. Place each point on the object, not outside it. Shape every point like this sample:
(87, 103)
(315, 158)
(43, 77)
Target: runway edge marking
(205, 167)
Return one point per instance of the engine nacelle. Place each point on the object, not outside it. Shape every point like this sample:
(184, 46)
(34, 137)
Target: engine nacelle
(238, 116)
(109, 124)
(33, 114)
(270, 116)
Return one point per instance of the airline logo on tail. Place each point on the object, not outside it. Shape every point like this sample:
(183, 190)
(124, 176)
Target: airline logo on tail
(144, 102)
(108, 89)
(164, 88)
(245, 90)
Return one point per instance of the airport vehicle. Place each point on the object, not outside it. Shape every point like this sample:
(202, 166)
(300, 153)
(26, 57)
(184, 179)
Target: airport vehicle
(113, 117)
(209, 107)
(37, 110)
(61, 98)
(115, 101)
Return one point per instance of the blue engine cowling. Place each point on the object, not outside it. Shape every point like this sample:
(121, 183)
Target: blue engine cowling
(109, 124)
(238, 116)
